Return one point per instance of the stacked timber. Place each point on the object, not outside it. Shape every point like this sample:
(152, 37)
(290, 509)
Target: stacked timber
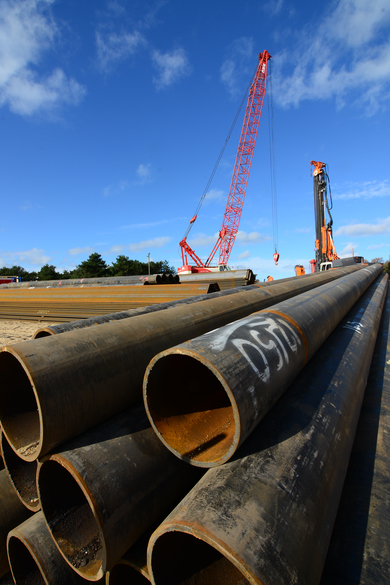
(198, 444)
(70, 303)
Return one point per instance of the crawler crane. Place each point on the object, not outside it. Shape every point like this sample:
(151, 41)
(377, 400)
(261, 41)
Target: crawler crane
(238, 184)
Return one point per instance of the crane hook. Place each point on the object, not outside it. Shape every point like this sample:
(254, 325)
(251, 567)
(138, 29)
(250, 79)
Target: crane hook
(275, 256)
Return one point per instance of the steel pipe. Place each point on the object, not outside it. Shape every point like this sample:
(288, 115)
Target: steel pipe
(12, 513)
(102, 491)
(233, 376)
(359, 550)
(35, 559)
(315, 280)
(266, 516)
(65, 384)
(22, 475)
(132, 567)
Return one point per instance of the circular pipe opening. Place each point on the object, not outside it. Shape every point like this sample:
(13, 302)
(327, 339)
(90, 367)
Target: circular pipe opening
(19, 411)
(71, 520)
(124, 573)
(43, 333)
(23, 565)
(23, 476)
(190, 409)
(180, 558)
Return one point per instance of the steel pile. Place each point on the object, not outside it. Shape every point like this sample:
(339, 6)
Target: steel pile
(226, 280)
(70, 303)
(286, 370)
(219, 409)
(65, 384)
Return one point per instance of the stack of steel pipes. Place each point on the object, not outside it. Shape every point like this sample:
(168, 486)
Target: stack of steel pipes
(244, 404)
(98, 281)
(226, 279)
(67, 304)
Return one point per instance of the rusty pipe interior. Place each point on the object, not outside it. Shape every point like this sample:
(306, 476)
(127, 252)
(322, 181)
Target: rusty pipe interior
(24, 567)
(71, 520)
(190, 409)
(179, 558)
(19, 411)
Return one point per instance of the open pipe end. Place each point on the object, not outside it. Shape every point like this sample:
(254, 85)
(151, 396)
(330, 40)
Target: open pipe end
(191, 409)
(23, 476)
(23, 564)
(44, 332)
(124, 573)
(180, 558)
(71, 520)
(19, 411)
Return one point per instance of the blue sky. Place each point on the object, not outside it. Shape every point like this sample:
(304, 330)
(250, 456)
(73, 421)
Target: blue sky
(113, 114)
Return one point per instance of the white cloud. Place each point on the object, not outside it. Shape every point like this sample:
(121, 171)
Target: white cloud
(153, 243)
(237, 67)
(214, 195)
(112, 47)
(251, 238)
(115, 188)
(27, 33)
(144, 173)
(366, 190)
(365, 229)
(201, 240)
(243, 255)
(349, 50)
(172, 66)
(35, 258)
(77, 251)
(377, 246)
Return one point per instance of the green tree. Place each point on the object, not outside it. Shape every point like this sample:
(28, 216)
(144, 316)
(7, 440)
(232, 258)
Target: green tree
(161, 267)
(15, 271)
(48, 272)
(123, 266)
(93, 267)
(386, 267)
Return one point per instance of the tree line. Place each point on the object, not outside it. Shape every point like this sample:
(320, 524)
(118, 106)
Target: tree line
(93, 267)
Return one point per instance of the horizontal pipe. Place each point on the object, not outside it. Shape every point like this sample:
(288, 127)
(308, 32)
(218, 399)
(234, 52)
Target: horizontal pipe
(35, 559)
(22, 475)
(65, 384)
(359, 550)
(233, 375)
(315, 280)
(73, 303)
(13, 512)
(102, 491)
(132, 567)
(98, 281)
(266, 516)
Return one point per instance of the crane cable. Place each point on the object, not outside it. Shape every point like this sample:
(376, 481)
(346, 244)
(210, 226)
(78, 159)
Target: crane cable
(272, 165)
(192, 221)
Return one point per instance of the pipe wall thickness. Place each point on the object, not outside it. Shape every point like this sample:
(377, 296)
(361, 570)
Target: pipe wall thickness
(102, 491)
(233, 376)
(268, 513)
(64, 384)
(22, 475)
(35, 559)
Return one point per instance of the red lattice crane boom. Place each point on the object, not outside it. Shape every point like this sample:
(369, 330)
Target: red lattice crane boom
(232, 215)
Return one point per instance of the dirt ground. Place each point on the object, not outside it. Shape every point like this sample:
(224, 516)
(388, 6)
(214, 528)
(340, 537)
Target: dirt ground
(15, 331)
